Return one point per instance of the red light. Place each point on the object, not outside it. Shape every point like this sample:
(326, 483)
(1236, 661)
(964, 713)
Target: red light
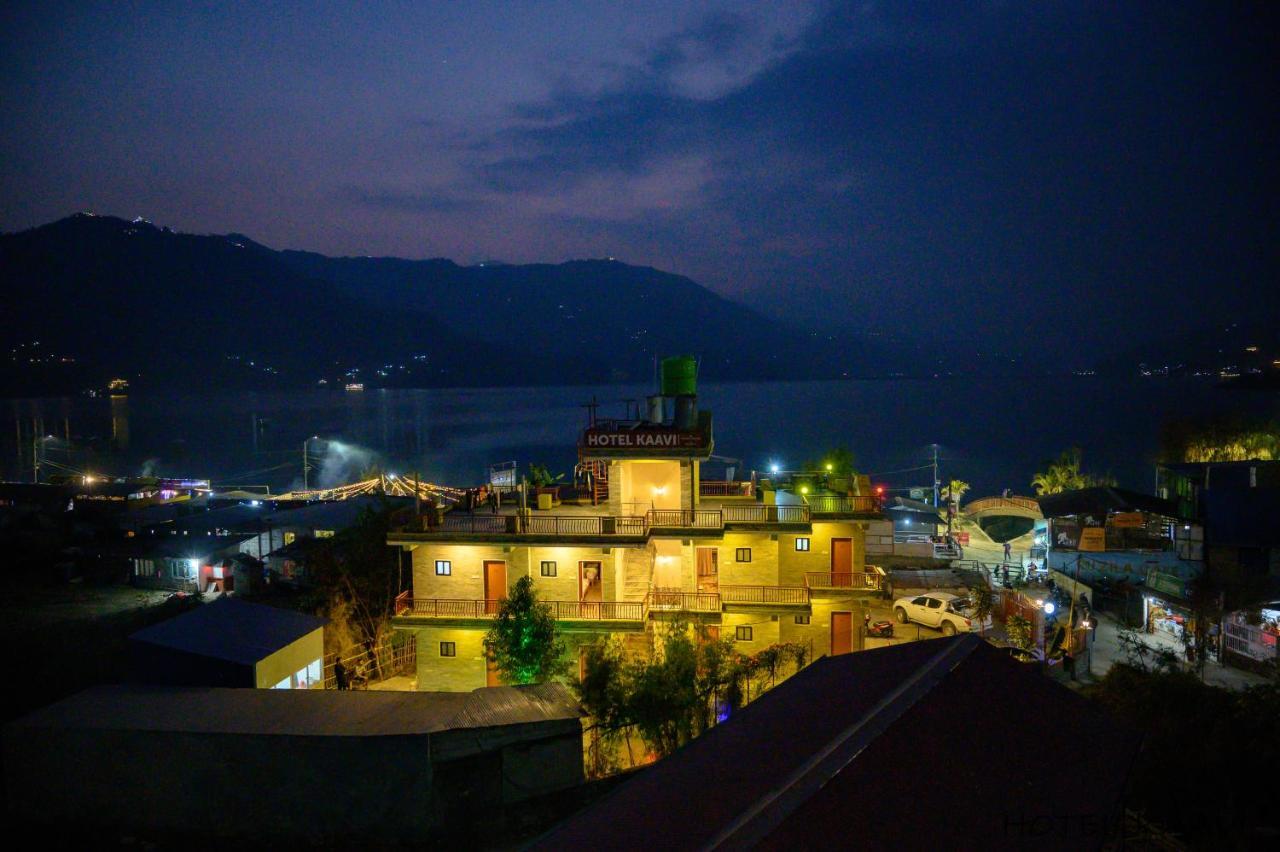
(879, 489)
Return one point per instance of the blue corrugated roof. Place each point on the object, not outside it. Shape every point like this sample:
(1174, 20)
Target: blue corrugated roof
(231, 629)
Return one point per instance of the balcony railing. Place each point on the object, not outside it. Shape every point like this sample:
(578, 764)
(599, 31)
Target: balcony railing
(761, 514)
(843, 580)
(720, 488)
(764, 595)
(835, 504)
(708, 519)
(406, 605)
(554, 525)
(675, 600)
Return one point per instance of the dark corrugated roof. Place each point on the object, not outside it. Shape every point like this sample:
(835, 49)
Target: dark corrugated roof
(301, 712)
(231, 629)
(931, 743)
(1099, 501)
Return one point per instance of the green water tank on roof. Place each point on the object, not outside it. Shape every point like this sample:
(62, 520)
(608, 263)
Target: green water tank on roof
(679, 376)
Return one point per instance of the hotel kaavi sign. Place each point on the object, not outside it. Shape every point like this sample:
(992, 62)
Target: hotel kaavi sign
(652, 440)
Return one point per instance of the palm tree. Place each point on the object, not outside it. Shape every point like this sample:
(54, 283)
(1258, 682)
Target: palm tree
(954, 491)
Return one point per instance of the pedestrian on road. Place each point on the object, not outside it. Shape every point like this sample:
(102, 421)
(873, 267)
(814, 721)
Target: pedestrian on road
(493, 501)
(1008, 551)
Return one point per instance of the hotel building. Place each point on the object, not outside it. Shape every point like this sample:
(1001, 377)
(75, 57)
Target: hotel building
(650, 542)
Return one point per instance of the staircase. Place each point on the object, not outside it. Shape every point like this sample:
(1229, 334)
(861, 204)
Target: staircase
(637, 575)
(599, 470)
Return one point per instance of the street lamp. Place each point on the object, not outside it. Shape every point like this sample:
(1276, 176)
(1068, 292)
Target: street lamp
(306, 465)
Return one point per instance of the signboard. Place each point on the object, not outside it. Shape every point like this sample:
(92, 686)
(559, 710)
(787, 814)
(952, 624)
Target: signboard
(1168, 584)
(961, 537)
(1092, 539)
(1128, 520)
(917, 493)
(646, 439)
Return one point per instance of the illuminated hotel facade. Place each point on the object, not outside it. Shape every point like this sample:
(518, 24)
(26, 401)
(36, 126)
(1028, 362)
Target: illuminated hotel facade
(651, 544)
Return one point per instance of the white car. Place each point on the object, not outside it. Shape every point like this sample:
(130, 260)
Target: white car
(949, 613)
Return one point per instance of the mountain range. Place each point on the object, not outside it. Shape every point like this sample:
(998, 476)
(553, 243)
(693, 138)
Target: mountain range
(90, 297)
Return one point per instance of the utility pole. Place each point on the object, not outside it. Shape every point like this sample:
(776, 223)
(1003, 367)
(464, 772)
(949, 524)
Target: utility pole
(306, 468)
(935, 477)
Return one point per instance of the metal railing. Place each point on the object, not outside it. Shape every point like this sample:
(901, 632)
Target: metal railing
(557, 525)
(708, 519)
(675, 600)
(721, 488)
(762, 514)
(834, 504)
(406, 604)
(764, 594)
(843, 580)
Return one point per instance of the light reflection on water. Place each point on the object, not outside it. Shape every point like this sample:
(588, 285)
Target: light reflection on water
(993, 433)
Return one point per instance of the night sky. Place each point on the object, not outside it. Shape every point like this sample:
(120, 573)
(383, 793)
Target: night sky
(1028, 174)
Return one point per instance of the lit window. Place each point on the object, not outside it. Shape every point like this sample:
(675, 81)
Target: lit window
(802, 619)
(448, 649)
(548, 569)
(742, 634)
(742, 554)
(444, 567)
(802, 544)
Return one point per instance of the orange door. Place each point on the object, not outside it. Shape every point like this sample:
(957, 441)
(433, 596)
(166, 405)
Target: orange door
(708, 569)
(841, 633)
(842, 561)
(495, 585)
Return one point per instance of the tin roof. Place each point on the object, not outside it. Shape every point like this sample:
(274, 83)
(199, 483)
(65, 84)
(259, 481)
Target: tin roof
(231, 629)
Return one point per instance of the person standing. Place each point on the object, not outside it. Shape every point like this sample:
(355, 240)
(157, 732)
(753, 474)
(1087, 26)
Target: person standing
(1008, 551)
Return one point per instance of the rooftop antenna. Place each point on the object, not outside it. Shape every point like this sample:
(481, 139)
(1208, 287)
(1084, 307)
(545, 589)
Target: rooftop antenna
(591, 408)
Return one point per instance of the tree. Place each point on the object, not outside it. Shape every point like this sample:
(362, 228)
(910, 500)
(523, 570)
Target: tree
(1064, 474)
(540, 476)
(358, 576)
(1018, 630)
(524, 639)
(983, 602)
(954, 491)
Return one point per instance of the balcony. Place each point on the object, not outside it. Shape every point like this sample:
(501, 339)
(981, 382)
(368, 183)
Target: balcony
(407, 606)
(840, 506)
(516, 526)
(685, 519)
(764, 595)
(859, 581)
(765, 514)
(675, 600)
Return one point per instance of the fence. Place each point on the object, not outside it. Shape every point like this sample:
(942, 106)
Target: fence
(365, 666)
(716, 488)
(764, 594)
(831, 504)
(1249, 641)
(678, 601)
(760, 514)
(843, 580)
(686, 518)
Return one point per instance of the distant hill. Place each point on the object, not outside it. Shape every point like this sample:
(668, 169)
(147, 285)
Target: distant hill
(103, 296)
(1244, 349)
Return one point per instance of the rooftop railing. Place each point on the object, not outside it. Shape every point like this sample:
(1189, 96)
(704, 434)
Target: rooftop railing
(762, 514)
(719, 488)
(553, 525)
(838, 504)
(709, 519)
(764, 595)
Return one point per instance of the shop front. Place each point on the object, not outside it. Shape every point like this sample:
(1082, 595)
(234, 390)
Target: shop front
(1166, 611)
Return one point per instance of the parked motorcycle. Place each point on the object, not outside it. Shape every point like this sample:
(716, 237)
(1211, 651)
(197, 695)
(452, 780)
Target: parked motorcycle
(880, 630)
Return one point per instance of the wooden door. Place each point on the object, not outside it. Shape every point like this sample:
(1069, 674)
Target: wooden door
(495, 585)
(841, 633)
(842, 561)
(708, 569)
(590, 589)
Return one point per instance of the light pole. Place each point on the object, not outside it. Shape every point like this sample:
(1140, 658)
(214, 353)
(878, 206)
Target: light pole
(306, 465)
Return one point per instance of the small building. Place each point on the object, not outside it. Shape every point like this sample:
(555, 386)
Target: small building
(340, 769)
(232, 643)
(184, 563)
(896, 748)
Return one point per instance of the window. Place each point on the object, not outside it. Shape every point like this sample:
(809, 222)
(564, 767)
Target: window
(802, 619)
(933, 603)
(182, 569)
(743, 554)
(802, 544)
(448, 649)
(742, 634)
(548, 569)
(444, 567)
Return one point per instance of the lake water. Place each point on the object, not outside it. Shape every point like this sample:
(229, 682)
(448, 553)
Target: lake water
(993, 433)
